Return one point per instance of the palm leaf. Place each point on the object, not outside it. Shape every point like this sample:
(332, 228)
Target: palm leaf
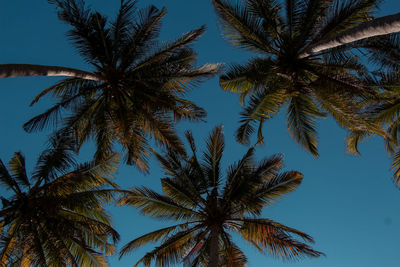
(212, 156)
(261, 106)
(154, 236)
(276, 238)
(301, 122)
(242, 28)
(155, 205)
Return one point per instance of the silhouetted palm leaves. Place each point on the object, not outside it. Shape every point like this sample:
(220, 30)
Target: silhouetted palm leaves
(209, 208)
(139, 90)
(56, 217)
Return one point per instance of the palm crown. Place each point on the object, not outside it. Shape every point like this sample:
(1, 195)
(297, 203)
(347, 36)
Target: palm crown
(138, 85)
(288, 72)
(56, 218)
(210, 209)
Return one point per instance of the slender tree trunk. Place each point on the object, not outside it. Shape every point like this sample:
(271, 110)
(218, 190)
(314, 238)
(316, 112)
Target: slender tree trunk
(379, 26)
(214, 248)
(21, 70)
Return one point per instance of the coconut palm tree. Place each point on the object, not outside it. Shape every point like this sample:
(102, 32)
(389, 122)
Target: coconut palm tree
(304, 62)
(136, 88)
(56, 217)
(209, 208)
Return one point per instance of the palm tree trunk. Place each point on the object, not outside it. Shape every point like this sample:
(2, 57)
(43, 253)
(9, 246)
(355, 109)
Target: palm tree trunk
(214, 248)
(379, 26)
(21, 70)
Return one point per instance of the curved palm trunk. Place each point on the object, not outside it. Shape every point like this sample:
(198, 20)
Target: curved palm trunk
(21, 70)
(214, 249)
(379, 26)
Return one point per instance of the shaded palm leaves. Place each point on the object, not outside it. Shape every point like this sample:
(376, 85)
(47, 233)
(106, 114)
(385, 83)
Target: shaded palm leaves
(287, 73)
(384, 110)
(209, 208)
(55, 217)
(140, 85)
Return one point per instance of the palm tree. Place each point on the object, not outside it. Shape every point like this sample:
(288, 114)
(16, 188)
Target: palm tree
(304, 63)
(56, 218)
(137, 86)
(208, 211)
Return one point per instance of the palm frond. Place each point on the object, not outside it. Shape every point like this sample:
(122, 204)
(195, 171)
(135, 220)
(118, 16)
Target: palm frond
(262, 105)
(396, 168)
(277, 239)
(353, 139)
(51, 116)
(240, 179)
(171, 251)
(181, 193)
(301, 122)
(242, 28)
(7, 180)
(65, 88)
(18, 170)
(156, 205)
(57, 158)
(160, 234)
(212, 156)
(233, 255)
(269, 12)
(169, 48)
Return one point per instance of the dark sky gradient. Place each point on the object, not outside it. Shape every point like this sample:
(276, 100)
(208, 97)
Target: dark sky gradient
(347, 203)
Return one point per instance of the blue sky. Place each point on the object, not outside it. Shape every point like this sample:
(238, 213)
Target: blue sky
(347, 203)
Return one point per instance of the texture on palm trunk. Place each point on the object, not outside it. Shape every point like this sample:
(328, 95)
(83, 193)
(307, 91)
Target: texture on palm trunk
(285, 74)
(56, 217)
(136, 90)
(21, 70)
(209, 208)
(376, 27)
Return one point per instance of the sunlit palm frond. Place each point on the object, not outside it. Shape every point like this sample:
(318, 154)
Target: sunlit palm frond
(233, 256)
(262, 105)
(276, 239)
(245, 79)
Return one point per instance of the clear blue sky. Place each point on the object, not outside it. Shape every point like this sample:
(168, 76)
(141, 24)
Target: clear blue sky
(347, 203)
